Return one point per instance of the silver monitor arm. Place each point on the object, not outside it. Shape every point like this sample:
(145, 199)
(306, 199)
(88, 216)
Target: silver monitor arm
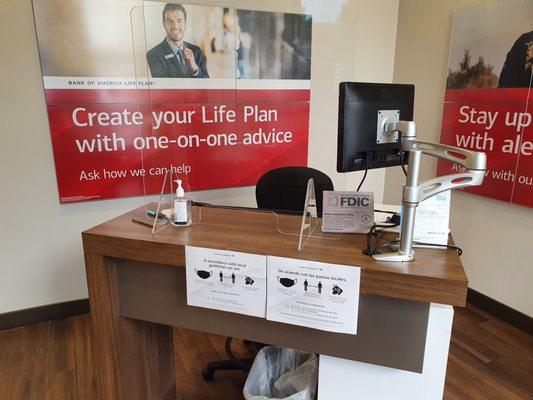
(473, 162)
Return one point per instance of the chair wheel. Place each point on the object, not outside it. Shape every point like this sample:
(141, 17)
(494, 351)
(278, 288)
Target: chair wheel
(207, 375)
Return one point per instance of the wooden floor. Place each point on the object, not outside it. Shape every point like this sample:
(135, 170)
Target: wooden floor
(51, 360)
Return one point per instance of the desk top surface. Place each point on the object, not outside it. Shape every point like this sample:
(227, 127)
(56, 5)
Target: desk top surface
(435, 275)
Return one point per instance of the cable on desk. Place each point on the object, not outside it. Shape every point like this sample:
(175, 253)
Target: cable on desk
(373, 235)
(447, 246)
(237, 208)
(385, 211)
(437, 245)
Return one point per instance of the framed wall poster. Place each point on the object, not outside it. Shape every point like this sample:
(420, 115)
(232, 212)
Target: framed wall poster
(487, 105)
(135, 88)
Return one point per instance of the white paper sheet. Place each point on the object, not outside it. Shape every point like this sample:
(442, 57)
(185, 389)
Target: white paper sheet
(226, 280)
(313, 294)
(432, 221)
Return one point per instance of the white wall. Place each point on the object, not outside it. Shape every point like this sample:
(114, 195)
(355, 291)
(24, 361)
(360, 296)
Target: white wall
(496, 237)
(41, 258)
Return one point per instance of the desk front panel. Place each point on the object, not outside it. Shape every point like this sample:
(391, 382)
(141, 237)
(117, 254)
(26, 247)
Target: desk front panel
(391, 332)
(435, 276)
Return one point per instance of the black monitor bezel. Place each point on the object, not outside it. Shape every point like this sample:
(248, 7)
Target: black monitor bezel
(402, 90)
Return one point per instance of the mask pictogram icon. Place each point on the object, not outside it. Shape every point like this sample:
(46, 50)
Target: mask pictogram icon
(287, 282)
(248, 281)
(337, 290)
(203, 274)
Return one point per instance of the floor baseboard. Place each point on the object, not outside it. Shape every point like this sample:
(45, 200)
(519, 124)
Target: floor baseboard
(43, 313)
(501, 311)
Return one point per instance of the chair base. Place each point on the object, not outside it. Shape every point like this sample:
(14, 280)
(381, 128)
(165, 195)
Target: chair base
(225, 365)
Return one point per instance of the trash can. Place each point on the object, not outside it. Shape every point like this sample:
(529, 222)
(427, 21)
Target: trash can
(279, 373)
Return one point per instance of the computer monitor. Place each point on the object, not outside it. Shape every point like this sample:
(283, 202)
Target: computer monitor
(363, 110)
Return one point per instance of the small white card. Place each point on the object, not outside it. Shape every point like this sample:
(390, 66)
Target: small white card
(226, 280)
(432, 221)
(313, 294)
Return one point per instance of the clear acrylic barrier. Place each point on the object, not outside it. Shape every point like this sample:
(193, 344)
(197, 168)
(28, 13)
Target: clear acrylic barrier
(175, 99)
(310, 220)
(162, 216)
(283, 224)
(231, 40)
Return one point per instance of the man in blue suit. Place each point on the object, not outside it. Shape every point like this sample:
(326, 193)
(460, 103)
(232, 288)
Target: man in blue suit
(174, 57)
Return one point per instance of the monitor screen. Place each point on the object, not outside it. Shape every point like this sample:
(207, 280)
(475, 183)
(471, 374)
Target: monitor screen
(361, 109)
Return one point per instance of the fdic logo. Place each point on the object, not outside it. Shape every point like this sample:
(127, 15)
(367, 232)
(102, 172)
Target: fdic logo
(348, 201)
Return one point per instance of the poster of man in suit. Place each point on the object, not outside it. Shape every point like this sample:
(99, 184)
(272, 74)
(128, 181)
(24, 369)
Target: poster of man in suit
(222, 42)
(135, 89)
(174, 57)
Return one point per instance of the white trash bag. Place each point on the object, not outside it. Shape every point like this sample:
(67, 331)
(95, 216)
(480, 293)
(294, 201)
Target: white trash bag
(279, 373)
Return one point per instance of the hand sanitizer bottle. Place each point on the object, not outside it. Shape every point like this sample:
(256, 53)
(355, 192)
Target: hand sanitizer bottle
(181, 214)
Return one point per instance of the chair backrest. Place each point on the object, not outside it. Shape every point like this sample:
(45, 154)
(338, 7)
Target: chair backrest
(284, 188)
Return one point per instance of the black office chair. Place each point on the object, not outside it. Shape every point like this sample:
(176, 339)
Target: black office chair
(281, 190)
(284, 189)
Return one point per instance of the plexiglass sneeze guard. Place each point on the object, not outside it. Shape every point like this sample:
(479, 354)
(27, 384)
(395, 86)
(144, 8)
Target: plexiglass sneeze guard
(232, 89)
(161, 214)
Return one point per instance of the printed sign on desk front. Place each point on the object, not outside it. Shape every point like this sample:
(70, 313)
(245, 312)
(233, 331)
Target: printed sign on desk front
(313, 294)
(226, 280)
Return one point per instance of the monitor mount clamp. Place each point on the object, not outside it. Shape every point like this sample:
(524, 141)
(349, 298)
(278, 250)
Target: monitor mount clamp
(474, 164)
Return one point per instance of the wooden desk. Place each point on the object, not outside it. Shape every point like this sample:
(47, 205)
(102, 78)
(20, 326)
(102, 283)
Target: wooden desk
(137, 292)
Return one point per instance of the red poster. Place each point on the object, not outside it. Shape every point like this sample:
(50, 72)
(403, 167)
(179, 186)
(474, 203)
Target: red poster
(487, 106)
(217, 95)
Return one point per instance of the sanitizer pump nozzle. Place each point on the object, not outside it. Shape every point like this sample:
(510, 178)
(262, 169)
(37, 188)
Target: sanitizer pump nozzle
(179, 190)
(180, 207)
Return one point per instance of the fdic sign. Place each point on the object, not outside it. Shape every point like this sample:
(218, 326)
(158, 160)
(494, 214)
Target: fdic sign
(347, 212)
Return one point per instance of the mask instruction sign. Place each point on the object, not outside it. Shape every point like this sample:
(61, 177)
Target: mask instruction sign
(226, 280)
(313, 294)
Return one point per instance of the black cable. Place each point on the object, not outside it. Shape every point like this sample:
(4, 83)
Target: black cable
(242, 208)
(209, 205)
(447, 246)
(401, 154)
(403, 168)
(384, 211)
(438, 245)
(364, 177)
(373, 235)
(372, 251)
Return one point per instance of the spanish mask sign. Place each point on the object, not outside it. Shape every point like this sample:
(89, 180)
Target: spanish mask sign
(313, 294)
